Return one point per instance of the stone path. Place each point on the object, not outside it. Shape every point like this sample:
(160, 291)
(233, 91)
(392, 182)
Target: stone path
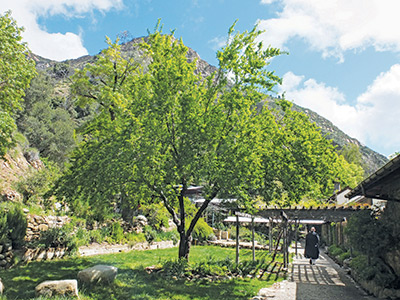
(324, 280)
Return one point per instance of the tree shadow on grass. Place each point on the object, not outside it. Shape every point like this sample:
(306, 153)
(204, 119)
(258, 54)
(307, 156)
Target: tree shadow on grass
(137, 284)
(20, 282)
(131, 283)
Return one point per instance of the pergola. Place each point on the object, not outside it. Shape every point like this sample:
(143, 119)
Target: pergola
(287, 216)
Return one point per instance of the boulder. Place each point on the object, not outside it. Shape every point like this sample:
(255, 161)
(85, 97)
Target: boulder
(99, 274)
(52, 288)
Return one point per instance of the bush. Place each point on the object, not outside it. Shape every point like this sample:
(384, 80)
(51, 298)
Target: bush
(13, 224)
(176, 268)
(334, 250)
(3, 228)
(368, 234)
(17, 224)
(246, 235)
(377, 271)
(117, 233)
(202, 231)
(133, 237)
(150, 234)
(343, 256)
(156, 214)
(58, 238)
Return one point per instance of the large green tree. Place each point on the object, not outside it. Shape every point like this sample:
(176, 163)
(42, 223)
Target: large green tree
(162, 128)
(16, 71)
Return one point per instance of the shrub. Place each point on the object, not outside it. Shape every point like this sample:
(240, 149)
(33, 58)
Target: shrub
(149, 233)
(176, 268)
(133, 237)
(81, 237)
(202, 231)
(34, 187)
(245, 234)
(377, 270)
(334, 250)
(156, 214)
(343, 256)
(58, 237)
(3, 228)
(12, 224)
(17, 225)
(96, 236)
(117, 233)
(366, 234)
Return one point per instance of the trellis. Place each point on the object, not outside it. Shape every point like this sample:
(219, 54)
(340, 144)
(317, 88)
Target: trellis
(287, 217)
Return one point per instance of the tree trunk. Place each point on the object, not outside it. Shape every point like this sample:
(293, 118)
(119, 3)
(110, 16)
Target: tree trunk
(184, 245)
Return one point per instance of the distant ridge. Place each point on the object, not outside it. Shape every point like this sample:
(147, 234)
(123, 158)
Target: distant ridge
(62, 70)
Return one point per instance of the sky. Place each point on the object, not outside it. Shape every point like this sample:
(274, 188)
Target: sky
(342, 62)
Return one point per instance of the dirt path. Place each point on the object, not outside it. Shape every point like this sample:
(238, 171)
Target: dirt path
(324, 280)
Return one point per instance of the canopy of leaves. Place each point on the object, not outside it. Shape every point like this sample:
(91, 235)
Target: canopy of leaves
(16, 70)
(163, 128)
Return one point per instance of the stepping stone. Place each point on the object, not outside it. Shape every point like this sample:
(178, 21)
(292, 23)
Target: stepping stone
(52, 288)
(99, 274)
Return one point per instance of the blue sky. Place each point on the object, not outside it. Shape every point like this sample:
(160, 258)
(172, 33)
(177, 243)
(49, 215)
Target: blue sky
(343, 57)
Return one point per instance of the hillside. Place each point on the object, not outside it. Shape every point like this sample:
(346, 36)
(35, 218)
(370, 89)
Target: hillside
(60, 71)
(373, 160)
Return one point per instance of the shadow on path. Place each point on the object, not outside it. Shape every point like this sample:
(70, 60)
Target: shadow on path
(324, 280)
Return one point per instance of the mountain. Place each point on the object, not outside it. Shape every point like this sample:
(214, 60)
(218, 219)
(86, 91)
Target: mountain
(61, 71)
(372, 160)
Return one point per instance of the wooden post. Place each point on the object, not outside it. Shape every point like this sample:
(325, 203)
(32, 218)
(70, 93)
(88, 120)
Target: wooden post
(237, 239)
(285, 238)
(271, 240)
(252, 239)
(284, 246)
(296, 224)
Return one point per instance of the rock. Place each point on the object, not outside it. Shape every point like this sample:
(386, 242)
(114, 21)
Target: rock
(43, 227)
(140, 220)
(98, 274)
(3, 263)
(50, 253)
(58, 288)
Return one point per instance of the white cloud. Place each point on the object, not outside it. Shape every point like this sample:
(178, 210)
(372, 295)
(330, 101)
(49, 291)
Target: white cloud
(57, 46)
(267, 1)
(373, 120)
(335, 26)
(217, 43)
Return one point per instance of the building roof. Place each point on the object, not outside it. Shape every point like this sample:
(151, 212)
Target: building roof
(384, 184)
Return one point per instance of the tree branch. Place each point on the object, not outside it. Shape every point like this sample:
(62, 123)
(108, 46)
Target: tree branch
(200, 211)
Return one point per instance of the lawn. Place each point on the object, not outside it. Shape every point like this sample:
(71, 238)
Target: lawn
(133, 282)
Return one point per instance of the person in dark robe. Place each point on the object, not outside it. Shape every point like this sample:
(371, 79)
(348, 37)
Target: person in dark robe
(312, 246)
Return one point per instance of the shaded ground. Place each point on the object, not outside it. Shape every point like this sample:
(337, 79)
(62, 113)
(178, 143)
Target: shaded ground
(324, 280)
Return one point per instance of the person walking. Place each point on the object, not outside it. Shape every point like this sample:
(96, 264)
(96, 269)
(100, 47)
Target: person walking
(311, 250)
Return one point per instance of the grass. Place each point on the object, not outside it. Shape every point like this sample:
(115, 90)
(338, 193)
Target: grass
(133, 282)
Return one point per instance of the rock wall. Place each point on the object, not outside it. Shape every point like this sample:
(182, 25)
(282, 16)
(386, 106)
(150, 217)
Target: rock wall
(37, 224)
(6, 255)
